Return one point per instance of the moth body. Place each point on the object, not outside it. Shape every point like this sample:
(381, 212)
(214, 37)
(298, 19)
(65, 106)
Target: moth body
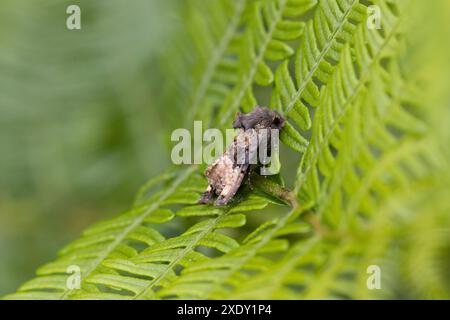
(226, 173)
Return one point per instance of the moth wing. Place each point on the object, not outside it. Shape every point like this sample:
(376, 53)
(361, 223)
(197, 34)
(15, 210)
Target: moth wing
(232, 183)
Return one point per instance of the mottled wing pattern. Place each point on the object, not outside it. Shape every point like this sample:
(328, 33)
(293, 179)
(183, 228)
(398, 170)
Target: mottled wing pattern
(225, 175)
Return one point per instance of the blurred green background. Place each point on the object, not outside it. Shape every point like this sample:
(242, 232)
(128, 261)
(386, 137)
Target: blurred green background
(79, 126)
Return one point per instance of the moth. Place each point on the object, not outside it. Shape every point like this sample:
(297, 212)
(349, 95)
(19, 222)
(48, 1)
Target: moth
(226, 173)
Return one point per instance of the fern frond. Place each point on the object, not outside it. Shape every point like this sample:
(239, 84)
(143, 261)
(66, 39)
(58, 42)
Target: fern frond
(159, 261)
(127, 258)
(382, 109)
(218, 32)
(378, 143)
(325, 35)
(269, 26)
(338, 99)
(107, 240)
(335, 265)
(236, 266)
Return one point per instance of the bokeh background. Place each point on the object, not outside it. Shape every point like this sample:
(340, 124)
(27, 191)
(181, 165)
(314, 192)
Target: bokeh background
(80, 129)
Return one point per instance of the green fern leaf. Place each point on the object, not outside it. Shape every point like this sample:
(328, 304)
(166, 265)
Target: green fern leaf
(263, 41)
(332, 25)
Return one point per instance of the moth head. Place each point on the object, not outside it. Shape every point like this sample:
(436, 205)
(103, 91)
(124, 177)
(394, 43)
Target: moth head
(267, 118)
(277, 121)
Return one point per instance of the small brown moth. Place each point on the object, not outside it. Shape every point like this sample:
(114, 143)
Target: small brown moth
(225, 175)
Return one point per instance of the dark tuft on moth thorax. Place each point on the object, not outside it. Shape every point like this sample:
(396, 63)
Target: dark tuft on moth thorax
(259, 118)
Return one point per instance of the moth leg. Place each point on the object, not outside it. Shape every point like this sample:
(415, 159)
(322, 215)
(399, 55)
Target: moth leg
(207, 195)
(230, 190)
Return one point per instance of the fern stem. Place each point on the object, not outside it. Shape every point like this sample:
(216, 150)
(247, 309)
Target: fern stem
(274, 189)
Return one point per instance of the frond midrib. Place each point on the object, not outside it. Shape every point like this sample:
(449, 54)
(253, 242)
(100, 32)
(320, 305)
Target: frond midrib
(259, 58)
(154, 282)
(324, 196)
(325, 50)
(361, 81)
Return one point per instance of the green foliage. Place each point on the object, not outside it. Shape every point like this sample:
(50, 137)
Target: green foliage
(371, 186)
